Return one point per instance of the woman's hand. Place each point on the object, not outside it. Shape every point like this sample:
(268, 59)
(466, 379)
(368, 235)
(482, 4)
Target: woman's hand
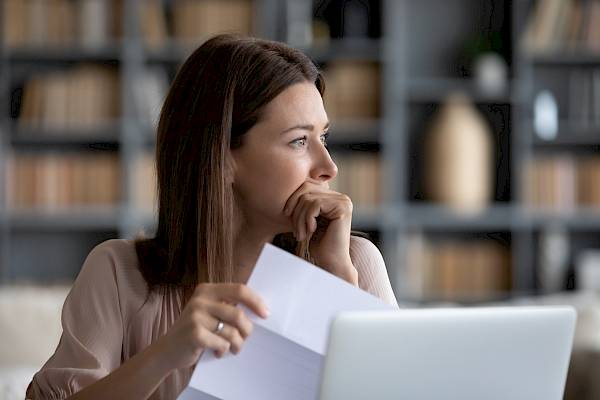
(193, 332)
(325, 217)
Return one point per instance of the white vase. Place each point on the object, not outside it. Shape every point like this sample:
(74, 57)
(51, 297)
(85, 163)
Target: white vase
(491, 73)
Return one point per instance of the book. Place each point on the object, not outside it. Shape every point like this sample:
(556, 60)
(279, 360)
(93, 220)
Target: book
(75, 100)
(153, 23)
(358, 177)
(145, 184)
(352, 89)
(55, 181)
(562, 182)
(455, 269)
(14, 29)
(61, 23)
(93, 29)
(558, 25)
(195, 20)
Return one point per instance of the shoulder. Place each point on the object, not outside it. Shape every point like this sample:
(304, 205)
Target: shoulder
(372, 272)
(366, 257)
(363, 251)
(119, 252)
(112, 267)
(115, 256)
(109, 261)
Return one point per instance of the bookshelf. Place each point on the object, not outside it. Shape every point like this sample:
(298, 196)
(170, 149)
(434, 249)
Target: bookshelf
(414, 66)
(555, 59)
(425, 74)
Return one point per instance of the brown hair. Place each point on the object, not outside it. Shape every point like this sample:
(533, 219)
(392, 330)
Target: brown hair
(217, 95)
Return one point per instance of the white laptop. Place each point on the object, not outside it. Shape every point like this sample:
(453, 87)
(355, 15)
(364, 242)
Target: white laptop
(449, 353)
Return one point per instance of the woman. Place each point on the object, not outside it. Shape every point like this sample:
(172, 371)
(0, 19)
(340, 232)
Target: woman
(241, 161)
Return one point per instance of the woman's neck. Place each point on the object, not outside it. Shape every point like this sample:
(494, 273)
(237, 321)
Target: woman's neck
(246, 249)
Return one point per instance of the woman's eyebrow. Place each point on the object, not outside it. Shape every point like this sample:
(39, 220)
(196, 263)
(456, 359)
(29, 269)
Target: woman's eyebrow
(305, 127)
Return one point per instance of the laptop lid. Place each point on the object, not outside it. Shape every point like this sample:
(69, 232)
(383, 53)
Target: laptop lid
(450, 353)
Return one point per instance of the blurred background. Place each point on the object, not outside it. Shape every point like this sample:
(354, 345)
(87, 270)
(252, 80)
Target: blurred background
(466, 132)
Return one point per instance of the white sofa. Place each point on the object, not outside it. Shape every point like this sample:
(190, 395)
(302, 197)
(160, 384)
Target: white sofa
(30, 329)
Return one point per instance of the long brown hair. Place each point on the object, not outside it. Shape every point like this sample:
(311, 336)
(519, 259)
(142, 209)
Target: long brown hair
(217, 95)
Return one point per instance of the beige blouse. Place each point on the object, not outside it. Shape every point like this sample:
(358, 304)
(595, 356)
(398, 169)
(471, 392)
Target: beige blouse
(106, 320)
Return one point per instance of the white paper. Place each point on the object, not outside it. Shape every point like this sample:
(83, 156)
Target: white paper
(283, 357)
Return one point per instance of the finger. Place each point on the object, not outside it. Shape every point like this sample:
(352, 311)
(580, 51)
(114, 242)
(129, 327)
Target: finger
(301, 221)
(209, 340)
(291, 203)
(293, 199)
(233, 336)
(210, 323)
(311, 217)
(333, 206)
(233, 316)
(240, 293)
(297, 215)
(202, 315)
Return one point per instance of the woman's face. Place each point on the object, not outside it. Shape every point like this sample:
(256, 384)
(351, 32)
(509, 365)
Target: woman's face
(279, 153)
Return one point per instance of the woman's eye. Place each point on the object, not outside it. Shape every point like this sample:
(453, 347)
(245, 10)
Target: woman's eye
(300, 141)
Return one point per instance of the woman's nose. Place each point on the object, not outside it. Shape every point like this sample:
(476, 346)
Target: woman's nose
(324, 169)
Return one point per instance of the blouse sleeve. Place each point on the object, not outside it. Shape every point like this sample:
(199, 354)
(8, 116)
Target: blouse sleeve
(91, 341)
(372, 273)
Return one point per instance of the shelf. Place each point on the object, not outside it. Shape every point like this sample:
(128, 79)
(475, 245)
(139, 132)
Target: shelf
(567, 140)
(569, 134)
(363, 217)
(355, 131)
(580, 219)
(85, 218)
(362, 49)
(437, 90)
(106, 137)
(565, 58)
(62, 54)
(431, 216)
(498, 216)
(368, 217)
(172, 53)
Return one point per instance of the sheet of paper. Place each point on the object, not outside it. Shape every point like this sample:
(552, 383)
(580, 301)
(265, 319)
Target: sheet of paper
(304, 298)
(283, 356)
(268, 367)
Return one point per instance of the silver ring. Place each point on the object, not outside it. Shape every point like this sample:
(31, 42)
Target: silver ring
(219, 327)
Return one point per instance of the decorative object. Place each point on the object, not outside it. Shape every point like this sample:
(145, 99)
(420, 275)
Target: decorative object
(545, 115)
(491, 73)
(458, 157)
